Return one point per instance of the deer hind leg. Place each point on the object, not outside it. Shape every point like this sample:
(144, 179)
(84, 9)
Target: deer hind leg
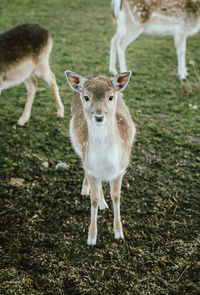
(126, 39)
(86, 191)
(113, 55)
(180, 44)
(115, 195)
(102, 203)
(117, 49)
(45, 72)
(95, 192)
(31, 85)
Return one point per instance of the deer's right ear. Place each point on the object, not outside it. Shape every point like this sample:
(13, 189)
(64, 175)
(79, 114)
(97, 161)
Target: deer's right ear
(75, 81)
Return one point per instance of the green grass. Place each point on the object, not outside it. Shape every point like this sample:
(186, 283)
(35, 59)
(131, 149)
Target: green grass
(44, 223)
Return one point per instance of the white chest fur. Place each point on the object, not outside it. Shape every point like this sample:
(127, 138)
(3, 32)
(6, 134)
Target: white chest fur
(105, 154)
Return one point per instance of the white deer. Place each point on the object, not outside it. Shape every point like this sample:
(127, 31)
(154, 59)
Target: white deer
(24, 53)
(178, 18)
(102, 134)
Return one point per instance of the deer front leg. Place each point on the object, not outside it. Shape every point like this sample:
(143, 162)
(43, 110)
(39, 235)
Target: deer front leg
(95, 192)
(86, 191)
(125, 39)
(85, 186)
(115, 195)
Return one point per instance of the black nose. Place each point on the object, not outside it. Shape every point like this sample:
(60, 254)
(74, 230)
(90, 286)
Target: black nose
(99, 117)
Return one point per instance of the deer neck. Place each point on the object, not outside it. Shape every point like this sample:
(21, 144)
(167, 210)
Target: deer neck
(102, 134)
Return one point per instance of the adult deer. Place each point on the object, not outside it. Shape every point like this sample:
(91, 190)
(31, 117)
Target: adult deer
(24, 53)
(102, 134)
(179, 18)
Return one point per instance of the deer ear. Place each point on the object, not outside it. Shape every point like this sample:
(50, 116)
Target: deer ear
(75, 81)
(120, 81)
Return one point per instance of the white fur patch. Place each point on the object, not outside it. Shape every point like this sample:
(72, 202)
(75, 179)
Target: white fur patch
(17, 75)
(164, 25)
(105, 154)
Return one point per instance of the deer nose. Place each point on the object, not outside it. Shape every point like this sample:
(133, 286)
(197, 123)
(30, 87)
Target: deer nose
(98, 117)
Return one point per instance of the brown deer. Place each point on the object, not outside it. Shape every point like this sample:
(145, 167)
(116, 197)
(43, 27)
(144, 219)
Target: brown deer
(24, 53)
(178, 18)
(102, 134)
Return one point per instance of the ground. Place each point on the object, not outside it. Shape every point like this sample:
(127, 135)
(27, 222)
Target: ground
(44, 219)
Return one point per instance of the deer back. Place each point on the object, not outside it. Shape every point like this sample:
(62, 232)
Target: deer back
(21, 42)
(143, 10)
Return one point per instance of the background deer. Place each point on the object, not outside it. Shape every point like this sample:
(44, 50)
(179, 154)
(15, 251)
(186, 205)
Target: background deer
(179, 18)
(102, 134)
(24, 52)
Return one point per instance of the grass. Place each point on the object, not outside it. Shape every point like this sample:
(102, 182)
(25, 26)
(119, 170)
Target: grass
(44, 222)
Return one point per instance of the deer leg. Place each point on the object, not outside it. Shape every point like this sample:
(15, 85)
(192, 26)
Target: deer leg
(31, 84)
(45, 72)
(102, 202)
(113, 55)
(85, 186)
(86, 191)
(115, 186)
(123, 43)
(59, 105)
(95, 192)
(180, 44)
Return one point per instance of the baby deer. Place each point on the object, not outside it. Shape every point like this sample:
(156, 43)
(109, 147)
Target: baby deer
(177, 18)
(24, 52)
(102, 134)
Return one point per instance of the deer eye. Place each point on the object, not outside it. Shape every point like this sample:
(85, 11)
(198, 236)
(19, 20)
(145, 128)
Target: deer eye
(111, 97)
(86, 98)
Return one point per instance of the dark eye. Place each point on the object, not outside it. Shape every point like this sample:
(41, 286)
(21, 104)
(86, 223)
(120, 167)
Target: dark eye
(86, 98)
(111, 97)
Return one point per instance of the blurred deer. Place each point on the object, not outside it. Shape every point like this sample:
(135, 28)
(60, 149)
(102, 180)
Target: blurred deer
(179, 18)
(102, 134)
(24, 53)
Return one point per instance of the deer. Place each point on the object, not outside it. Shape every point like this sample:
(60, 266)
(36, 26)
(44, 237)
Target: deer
(102, 134)
(24, 54)
(177, 18)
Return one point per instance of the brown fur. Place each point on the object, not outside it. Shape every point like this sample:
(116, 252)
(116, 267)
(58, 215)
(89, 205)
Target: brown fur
(177, 18)
(102, 134)
(189, 8)
(79, 122)
(20, 42)
(122, 113)
(25, 52)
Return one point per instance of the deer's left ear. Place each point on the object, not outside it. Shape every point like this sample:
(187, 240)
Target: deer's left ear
(120, 81)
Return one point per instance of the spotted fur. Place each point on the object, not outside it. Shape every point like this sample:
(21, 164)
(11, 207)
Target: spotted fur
(178, 18)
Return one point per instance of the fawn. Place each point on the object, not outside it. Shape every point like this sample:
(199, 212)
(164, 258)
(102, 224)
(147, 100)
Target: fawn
(102, 134)
(177, 18)
(24, 52)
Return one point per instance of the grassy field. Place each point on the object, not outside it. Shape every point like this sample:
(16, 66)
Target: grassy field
(44, 222)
